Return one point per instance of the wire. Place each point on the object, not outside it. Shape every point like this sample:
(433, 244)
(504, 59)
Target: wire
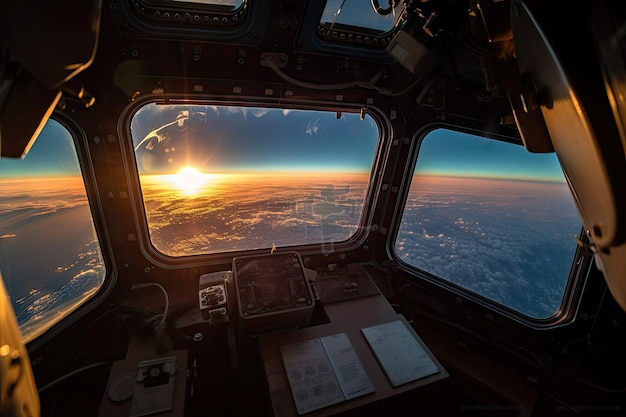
(161, 328)
(167, 299)
(332, 24)
(619, 390)
(339, 86)
(410, 86)
(312, 86)
(76, 371)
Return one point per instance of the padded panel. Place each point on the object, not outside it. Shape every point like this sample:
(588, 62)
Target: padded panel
(67, 35)
(24, 114)
(561, 60)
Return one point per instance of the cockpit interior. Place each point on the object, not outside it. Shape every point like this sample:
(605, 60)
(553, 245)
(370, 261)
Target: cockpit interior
(298, 207)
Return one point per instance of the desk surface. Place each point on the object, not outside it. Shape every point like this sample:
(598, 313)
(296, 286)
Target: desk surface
(343, 320)
(129, 367)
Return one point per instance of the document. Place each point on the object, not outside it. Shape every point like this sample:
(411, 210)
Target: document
(353, 380)
(324, 371)
(400, 354)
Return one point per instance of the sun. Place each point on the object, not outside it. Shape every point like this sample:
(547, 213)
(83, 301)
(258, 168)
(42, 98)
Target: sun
(189, 180)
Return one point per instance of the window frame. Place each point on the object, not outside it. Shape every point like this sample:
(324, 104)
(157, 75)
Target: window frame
(358, 36)
(179, 19)
(85, 165)
(579, 269)
(165, 261)
(313, 37)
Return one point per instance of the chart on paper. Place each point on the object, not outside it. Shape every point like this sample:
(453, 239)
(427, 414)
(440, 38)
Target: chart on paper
(324, 371)
(400, 354)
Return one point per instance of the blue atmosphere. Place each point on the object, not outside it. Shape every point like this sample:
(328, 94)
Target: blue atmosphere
(222, 139)
(457, 154)
(52, 154)
(218, 139)
(237, 139)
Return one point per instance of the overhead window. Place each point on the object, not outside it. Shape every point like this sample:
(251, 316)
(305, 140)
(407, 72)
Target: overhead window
(373, 16)
(491, 218)
(221, 14)
(227, 3)
(224, 4)
(359, 22)
(226, 178)
(50, 256)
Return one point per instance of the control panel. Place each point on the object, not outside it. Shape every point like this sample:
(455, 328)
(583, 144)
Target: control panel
(213, 296)
(271, 283)
(273, 293)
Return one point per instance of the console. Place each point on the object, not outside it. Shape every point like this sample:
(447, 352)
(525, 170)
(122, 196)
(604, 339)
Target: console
(273, 293)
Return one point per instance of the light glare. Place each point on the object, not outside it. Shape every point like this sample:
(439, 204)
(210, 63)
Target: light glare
(189, 180)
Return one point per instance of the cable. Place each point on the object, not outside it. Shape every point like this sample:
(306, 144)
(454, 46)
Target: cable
(619, 390)
(339, 86)
(167, 299)
(332, 24)
(74, 372)
(304, 84)
(161, 329)
(410, 86)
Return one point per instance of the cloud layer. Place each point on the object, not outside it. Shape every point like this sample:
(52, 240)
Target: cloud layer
(255, 211)
(509, 241)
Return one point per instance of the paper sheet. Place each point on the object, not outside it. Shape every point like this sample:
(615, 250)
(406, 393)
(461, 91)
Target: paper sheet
(310, 374)
(350, 373)
(399, 353)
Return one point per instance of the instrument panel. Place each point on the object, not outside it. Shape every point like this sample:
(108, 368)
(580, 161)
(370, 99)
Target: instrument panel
(271, 283)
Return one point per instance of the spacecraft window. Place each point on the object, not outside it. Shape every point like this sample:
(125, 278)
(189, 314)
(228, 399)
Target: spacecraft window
(491, 218)
(50, 255)
(235, 4)
(218, 178)
(217, 4)
(360, 16)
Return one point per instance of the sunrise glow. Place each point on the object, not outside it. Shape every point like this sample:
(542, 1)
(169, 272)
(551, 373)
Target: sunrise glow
(189, 180)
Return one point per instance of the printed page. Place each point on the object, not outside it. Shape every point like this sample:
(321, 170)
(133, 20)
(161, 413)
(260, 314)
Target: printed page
(350, 373)
(400, 354)
(311, 377)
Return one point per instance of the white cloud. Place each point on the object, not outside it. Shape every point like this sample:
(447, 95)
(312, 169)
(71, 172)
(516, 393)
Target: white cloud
(494, 249)
(313, 127)
(258, 113)
(235, 110)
